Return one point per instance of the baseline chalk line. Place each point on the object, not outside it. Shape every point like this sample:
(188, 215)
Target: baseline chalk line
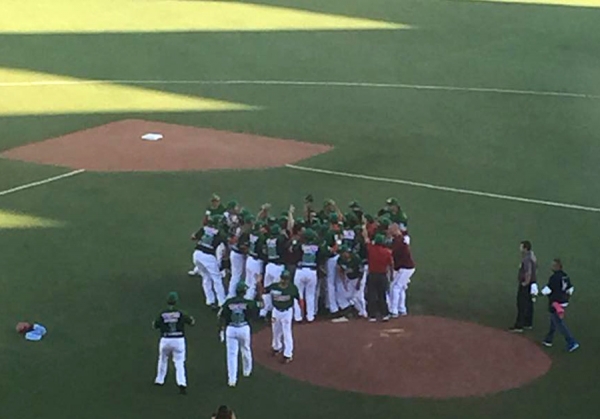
(446, 188)
(41, 182)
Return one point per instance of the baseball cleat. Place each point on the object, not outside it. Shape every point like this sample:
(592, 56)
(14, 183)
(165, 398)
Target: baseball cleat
(547, 344)
(340, 320)
(385, 319)
(372, 319)
(192, 273)
(287, 360)
(158, 384)
(516, 330)
(275, 352)
(231, 384)
(404, 314)
(573, 347)
(528, 328)
(247, 375)
(183, 390)
(395, 315)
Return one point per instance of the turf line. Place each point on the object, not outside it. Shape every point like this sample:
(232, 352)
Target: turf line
(308, 83)
(41, 182)
(446, 189)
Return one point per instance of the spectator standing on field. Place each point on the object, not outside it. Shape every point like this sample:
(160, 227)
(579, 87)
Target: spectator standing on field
(527, 279)
(380, 265)
(558, 290)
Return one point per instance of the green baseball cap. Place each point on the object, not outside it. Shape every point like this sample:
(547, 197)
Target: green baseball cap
(215, 197)
(249, 218)
(271, 220)
(275, 230)
(172, 298)
(310, 234)
(379, 239)
(385, 221)
(344, 248)
(354, 205)
(241, 287)
(328, 202)
(232, 204)
(286, 274)
(334, 218)
(369, 218)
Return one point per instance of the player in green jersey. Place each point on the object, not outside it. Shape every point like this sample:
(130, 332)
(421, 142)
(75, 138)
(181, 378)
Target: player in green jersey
(396, 215)
(305, 277)
(283, 295)
(171, 323)
(351, 270)
(333, 239)
(235, 327)
(275, 248)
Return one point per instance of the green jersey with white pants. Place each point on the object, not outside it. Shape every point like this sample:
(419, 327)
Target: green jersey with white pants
(283, 297)
(234, 316)
(171, 323)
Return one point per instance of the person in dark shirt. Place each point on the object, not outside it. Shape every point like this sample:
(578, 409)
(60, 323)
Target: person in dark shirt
(171, 323)
(558, 290)
(526, 279)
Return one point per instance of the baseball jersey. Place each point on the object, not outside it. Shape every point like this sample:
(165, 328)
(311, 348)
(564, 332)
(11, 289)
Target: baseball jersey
(352, 265)
(349, 237)
(236, 311)
(220, 210)
(333, 239)
(401, 254)
(399, 218)
(171, 323)
(209, 239)
(283, 298)
(256, 244)
(275, 249)
(309, 255)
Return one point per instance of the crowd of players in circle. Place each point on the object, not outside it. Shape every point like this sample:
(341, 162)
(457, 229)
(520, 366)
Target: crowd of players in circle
(327, 254)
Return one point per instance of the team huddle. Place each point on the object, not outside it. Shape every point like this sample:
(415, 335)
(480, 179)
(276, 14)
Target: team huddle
(288, 267)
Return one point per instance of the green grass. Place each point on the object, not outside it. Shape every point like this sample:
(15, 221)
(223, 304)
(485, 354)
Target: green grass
(97, 282)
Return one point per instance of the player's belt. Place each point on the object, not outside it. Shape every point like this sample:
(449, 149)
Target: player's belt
(206, 250)
(173, 335)
(312, 268)
(236, 250)
(275, 263)
(238, 325)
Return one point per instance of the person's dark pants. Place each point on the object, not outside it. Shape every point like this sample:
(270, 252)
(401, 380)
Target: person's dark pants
(524, 307)
(376, 287)
(556, 323)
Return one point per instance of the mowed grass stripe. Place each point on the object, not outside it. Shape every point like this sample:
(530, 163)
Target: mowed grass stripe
(447, 189)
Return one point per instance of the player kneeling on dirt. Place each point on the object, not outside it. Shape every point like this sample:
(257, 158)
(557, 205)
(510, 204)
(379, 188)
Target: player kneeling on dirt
(235, 330)
(283, 294)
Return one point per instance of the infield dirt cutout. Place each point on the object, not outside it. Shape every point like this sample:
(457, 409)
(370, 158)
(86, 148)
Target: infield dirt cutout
(118, 147)
(414, 356)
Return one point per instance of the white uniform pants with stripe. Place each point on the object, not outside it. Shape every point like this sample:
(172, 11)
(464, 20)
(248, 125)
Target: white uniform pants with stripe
(171, 347)
(332, 284)
(305, 280)
(238, 265)
(238, 339)
(272, 275)
(281, 324)
(398, 289)
(212, 280)
(253, 267)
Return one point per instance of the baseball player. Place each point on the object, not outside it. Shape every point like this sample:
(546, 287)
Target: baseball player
(283, 294)
(332, 242)
(171, 324)
(275, 246)
(235, 330)
(351, 273)
(394, 212)
(559, 290)
(305, 278)
(238, 244)
(404, 268)
(209, 238)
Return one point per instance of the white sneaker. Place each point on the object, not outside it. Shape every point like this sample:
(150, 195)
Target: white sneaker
(192, 273)
(340, 320)
(372, 319)
(231, 384)
(385, 318)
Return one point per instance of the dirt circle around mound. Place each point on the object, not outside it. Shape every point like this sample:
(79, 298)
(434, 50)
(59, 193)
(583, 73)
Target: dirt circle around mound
(414, 356)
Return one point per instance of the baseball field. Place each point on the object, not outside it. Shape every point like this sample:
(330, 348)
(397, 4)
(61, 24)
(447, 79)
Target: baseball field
(481, 117)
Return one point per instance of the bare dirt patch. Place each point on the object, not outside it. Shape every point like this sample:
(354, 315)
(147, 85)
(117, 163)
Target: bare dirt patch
(118, 146)
(415, 356)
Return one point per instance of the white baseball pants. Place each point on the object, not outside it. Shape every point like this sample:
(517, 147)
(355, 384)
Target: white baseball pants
(350, 295)
(236, 339)
(212, 280)
(174, 347)
(253, 267)
(238, 265)
(281, 325)
(398, 290)
(305, 280)
(272, 275)
(332, 284)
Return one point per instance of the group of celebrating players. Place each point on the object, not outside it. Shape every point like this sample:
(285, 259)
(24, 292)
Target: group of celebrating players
(324, 251)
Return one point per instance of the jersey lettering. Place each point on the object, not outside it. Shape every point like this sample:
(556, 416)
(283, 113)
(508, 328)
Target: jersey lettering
(309, 255)
(208, 237)
(272, 249)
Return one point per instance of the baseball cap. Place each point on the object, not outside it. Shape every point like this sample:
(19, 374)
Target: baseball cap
(379, 239)
(333, 218)
(286, 274)
(241, 287)
(232, 204)
(354, 205)
(392, 201)
(172, 298)
(215, 197)
(275, 230)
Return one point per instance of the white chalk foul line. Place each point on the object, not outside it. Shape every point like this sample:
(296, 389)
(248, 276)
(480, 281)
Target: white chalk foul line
(446, 189)
(41, 182)
(308, 83)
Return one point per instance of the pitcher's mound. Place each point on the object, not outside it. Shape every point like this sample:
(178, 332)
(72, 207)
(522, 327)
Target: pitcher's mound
(421, 356)
(118, 146)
